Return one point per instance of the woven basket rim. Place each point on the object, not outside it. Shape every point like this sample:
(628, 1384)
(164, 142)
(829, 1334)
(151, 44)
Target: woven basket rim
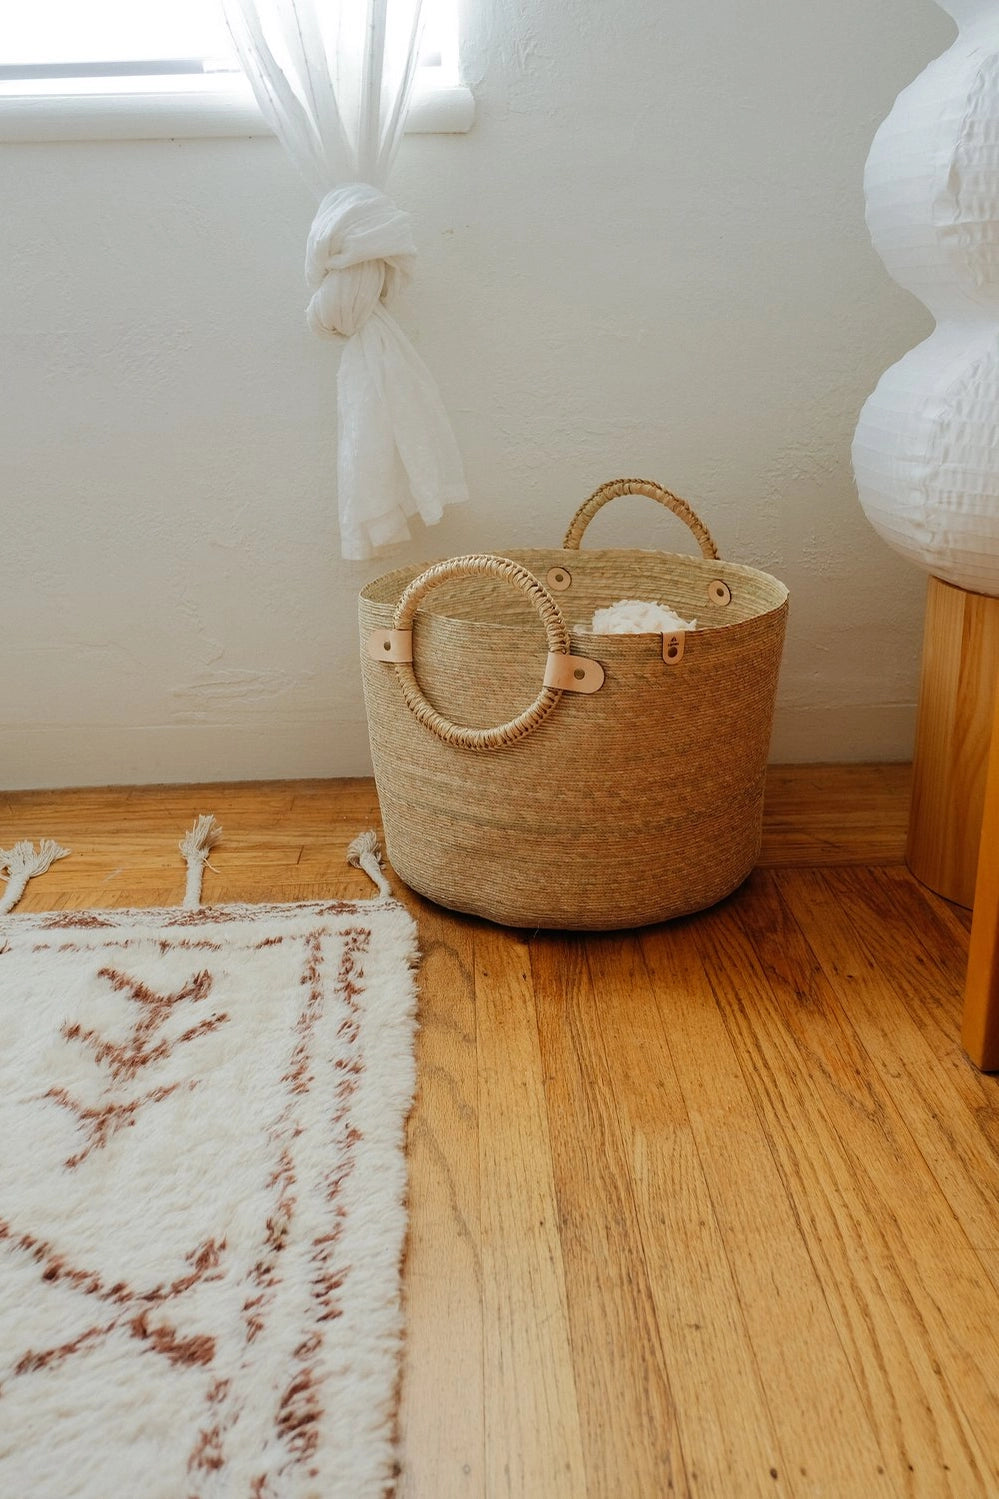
(717, 632)
(707, 566)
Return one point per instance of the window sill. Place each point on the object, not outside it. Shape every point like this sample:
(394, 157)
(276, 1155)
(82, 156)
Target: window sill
(190, 107)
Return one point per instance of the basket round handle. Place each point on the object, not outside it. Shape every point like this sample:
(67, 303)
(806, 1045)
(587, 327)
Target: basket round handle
(555, 630)
(617, 487)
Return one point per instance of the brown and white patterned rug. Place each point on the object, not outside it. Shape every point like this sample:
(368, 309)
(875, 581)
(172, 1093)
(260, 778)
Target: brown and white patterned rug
(202, 1200)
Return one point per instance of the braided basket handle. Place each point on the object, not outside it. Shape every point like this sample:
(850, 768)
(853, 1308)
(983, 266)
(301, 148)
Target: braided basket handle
(555, 629)
(617, 487)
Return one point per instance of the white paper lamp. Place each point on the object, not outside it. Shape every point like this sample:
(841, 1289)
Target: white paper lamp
(926, 450)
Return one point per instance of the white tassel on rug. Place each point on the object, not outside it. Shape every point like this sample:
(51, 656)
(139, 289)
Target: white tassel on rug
(196, 846)
(365, 853)
(21, 863)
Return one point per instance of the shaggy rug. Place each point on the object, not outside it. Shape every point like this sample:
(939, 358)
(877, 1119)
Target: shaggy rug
(202, 1200)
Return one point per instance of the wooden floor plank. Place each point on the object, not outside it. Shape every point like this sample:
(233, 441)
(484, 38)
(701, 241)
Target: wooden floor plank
(950, 1110)
(940, 931)
(990, 1260)
(935, 925)
(726, 1431)
(533, 1439)
(961, 914)
(825, 1432)
(908, 1289)
(626, 1408)
(442, 1415)
(835, 814)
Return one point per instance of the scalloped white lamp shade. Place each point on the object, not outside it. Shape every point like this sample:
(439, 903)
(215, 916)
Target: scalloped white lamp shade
(926, 449)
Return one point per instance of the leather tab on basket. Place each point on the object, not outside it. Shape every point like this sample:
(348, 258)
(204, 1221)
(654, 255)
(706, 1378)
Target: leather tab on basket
(673, 648)
(573, 673)
(558, 579)
(390, 645)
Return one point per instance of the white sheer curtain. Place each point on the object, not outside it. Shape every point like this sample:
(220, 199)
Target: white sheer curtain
(333, 79)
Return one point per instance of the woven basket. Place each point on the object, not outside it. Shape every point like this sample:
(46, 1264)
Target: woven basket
(630, 789)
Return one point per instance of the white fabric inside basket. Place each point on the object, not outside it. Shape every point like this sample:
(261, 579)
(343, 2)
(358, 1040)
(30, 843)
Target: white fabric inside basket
(638, 617)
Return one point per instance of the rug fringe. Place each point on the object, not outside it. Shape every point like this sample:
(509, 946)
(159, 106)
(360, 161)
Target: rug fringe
(21, 863)
(196, 845)
(365, 853)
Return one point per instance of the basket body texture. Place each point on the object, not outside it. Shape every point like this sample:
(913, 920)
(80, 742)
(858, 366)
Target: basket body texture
(635, 804)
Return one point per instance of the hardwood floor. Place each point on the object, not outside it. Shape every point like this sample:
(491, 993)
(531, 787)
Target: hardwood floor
(710, 1209)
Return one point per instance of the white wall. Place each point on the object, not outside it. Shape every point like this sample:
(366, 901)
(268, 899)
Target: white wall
(648, 257)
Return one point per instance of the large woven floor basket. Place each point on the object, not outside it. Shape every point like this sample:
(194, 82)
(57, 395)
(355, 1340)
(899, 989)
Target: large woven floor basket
(537, 774)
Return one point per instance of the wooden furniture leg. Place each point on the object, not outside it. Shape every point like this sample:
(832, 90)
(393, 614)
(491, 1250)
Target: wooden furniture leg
(980, 1030)
(960, 662)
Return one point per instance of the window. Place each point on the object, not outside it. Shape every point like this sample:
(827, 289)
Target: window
(117, 68)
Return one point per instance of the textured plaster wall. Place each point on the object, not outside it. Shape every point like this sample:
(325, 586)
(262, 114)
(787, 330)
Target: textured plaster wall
(648, 257)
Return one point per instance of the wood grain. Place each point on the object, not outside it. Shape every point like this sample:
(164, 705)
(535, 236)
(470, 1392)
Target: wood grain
(835, 814)
(795, 1335)
(899, 1268)
(533, 1438)
(726, 1431)
(953, 732)
(980, 1031)
(951, 1112)
(626, 1407)
(443, 1400)
(706, 1210)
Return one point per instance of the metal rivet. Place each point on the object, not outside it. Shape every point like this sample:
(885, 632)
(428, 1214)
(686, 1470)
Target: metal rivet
(579, 674)
(386, 645)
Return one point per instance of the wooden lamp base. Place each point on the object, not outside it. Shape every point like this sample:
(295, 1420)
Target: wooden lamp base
(953, 734)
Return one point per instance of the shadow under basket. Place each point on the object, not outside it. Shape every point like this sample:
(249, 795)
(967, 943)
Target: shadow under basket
(629, 790)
